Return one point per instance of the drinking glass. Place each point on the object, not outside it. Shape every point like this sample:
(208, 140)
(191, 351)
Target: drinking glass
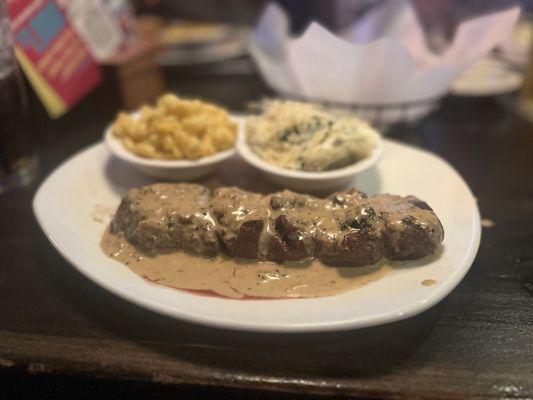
(18, 161)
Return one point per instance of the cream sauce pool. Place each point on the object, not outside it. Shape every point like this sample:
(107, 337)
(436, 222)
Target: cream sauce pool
(241, 278)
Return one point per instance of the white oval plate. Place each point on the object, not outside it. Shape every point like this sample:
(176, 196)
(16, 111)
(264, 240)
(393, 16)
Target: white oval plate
(66, 202)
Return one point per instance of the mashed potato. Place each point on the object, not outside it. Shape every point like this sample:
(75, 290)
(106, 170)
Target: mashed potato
(306, 137)
(176, 129)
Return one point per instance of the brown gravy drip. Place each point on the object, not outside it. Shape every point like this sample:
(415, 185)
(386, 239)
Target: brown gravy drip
(241, 278)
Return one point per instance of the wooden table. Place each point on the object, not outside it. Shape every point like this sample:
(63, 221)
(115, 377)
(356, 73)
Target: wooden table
(60, 334)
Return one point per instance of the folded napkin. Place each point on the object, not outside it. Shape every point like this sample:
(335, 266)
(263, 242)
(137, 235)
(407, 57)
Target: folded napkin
(381, 59)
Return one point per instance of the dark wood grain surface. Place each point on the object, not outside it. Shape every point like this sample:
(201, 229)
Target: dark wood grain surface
(59, 331)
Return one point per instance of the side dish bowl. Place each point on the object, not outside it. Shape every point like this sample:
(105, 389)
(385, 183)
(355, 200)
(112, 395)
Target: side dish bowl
(169, 170)
(307, 181)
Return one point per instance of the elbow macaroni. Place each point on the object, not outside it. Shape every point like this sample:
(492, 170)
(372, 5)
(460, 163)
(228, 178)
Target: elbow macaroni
(176, 129)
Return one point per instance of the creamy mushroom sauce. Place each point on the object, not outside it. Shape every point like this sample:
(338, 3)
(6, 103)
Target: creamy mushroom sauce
(239, 279)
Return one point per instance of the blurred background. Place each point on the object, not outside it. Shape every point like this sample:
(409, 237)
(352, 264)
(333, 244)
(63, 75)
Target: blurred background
(64, 60)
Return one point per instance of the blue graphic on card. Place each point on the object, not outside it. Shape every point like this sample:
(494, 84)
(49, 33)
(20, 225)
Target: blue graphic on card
(43, 28)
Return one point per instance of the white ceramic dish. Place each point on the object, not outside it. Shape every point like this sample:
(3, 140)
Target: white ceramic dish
(304, 180)
(92, 179)
(487, 77)
(170, 170)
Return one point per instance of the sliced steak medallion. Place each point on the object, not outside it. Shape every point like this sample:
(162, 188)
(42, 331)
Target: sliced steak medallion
(241, 217)
(294, 220)
(412, 230)
(168, 216)
(354, 236)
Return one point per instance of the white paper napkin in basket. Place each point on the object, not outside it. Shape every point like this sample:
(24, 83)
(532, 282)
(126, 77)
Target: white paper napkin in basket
(382, 59)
